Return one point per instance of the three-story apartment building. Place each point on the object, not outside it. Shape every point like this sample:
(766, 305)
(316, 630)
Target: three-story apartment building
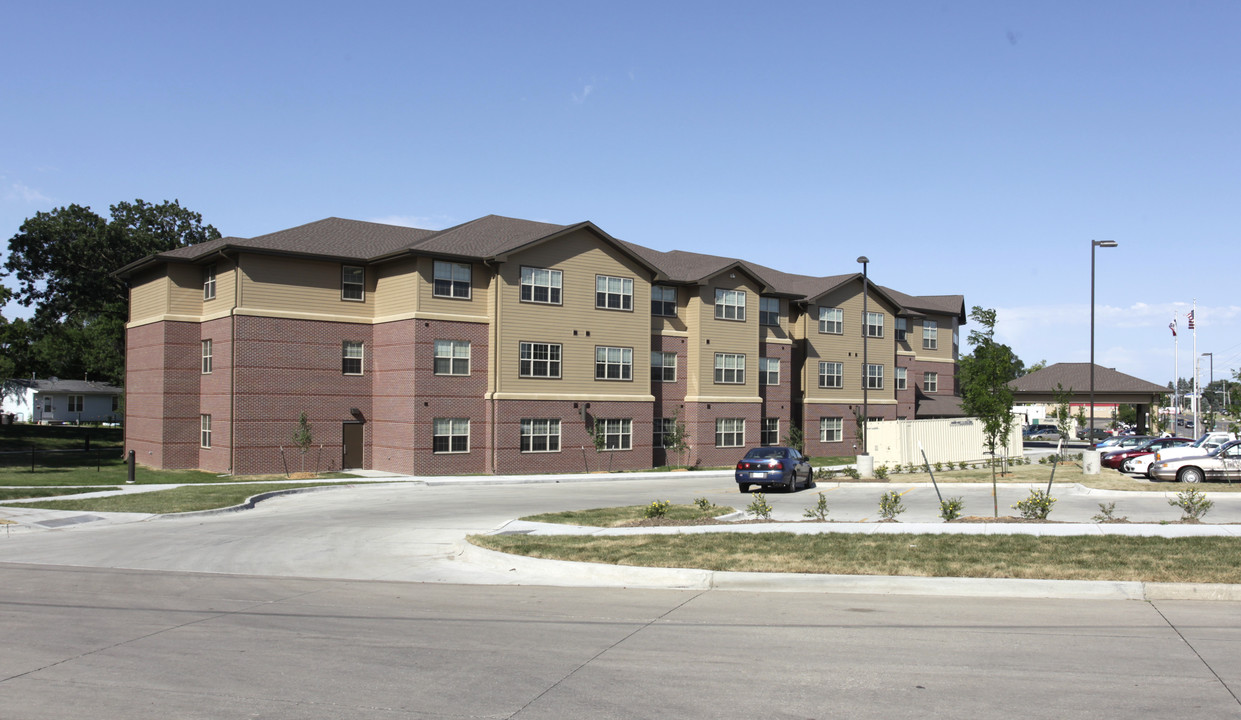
(504, 345)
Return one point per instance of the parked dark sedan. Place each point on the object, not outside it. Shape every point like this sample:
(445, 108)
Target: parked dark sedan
(783, 466)
(1116, 459)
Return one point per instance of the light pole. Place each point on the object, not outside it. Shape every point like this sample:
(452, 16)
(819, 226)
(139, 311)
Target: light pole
(865, 359)
(1093, 244)
(1211, 380)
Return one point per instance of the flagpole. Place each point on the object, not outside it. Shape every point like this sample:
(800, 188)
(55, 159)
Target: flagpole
(1176, 378)
(1193, 325)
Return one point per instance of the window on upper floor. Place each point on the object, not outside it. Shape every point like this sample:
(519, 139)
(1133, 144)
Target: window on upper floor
(664, 301)
(730, 369)
(769, 371)
(613, 293)
(209, 282)
(930, 382)
(450, 435)
(831, 321)
(613, 363)
(351, 358)
(769, 311)
(539, 436)
(452, 357)
(874, 377)
(539, 360)
(729, 304)
(902, 327)
(663, 366)
(541, 285)
(206, 357)
(451, 280)
(831, 374)
(902, 378)
(930, 335)
(352, 283)
(872, 324)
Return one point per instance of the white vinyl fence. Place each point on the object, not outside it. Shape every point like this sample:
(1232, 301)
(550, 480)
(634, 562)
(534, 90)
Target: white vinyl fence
(895, 442)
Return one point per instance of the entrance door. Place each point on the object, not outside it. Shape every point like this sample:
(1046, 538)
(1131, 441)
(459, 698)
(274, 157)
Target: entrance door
(351, 446)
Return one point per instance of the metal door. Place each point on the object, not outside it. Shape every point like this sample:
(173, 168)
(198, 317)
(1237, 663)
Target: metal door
(351, 446)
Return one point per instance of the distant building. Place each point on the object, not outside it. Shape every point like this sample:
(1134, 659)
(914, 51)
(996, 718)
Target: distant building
(499, 345)
(61, 401)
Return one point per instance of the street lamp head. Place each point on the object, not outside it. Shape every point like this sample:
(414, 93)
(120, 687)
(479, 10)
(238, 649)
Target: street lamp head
(1104, 243)
(863, 259)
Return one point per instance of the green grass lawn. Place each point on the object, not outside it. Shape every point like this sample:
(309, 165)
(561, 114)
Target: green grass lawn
(26, 493)
(183, 499)
(24, 436)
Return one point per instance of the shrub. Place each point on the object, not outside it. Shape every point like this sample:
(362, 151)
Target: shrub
(890, 505)
(1037, 506)
(950, 509)
(852, 472)
(759, 507)
(1106, 515)
(657, 509)
(881, 472)
(939, 466)
(911, 468)
(824, 474)
(1192, 503)
(819, 511)
(704, 504)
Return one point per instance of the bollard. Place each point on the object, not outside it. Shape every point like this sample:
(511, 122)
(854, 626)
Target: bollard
(130, 460)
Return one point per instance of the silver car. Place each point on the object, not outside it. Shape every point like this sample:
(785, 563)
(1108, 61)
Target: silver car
(1224, 463)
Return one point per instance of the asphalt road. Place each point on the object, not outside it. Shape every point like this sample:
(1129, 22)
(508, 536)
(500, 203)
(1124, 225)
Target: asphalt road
(347, 604)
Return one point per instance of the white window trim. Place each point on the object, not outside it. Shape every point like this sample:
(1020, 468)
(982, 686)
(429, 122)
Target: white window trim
(452, 357)
(930, 335)
(835, 425)
(347, 283)
(764, 373)
(624, 295)
(729, 432)
(869, 377)
(207, 359)
(345, 347)
(902, 378)
(868, 326)
(624, 363)
(204, 431)
(726, 300)
(527, 435)
(532, 360)
(209, 282)
(452, 433)
(930, 382)
(554, 285)
(720, 374)
(764, 431)
(838, 315)
(840, 376)
(621, 428)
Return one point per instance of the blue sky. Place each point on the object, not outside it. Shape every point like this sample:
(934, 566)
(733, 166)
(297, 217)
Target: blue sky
(964, 147)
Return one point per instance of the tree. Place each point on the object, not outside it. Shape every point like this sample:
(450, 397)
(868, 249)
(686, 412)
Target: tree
(303, 438)
(63, 262)
(985, 394)
(1063, 411)
(675, 436)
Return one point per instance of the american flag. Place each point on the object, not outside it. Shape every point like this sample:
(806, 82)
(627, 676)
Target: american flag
(1191, 319)
(1172, 327)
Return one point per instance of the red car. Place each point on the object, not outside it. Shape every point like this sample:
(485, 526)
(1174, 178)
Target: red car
(1117, 458)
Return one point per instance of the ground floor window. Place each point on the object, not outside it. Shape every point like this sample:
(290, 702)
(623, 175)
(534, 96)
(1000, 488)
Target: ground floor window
(451, 435)
(662, 428)
(771, 431)
(831, 429)
(77, 403)
(617, 433)
(204, 425)
(729, 432)
(540, 436)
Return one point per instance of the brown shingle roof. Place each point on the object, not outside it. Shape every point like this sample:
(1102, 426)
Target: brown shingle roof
(1076, 376)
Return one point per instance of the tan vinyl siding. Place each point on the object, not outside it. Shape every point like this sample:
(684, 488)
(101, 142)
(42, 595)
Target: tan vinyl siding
(709, 336)
(305, 287)
(944, 352)
(148, 297)
(396, 287)
(846, 348)
(580, 257)
(478, 303)
(225, 287)
(663, 323)
(185, 296)
(783, 331)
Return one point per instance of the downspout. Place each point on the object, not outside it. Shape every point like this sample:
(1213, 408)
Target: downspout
(493, 365)
(232, 380)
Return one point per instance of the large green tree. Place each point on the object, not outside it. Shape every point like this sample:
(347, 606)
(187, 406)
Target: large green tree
(63, 262)
(985, 374)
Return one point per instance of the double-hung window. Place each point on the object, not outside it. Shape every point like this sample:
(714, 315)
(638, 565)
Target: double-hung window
(451, 279)
(729, 304)
(77, 403)
(352, 283)
(663, 366)
(539, 435)
(613, 363)
(769, 311)
(902, 378)
(902, 327)
(930, 335)
(729, 432)
(540, 285)
(451, 435)
(872, 324)
(452, 357)
(771, 432)
(930, 382)
(664, 300)
(663, 427)
(617, 433)
(209, 282)
(613, 293)
(206, 356)
(204, 431)
(831, 321)
(831, 374)
(539, 360)
(729, 369)
(831, 429)
(351, 358)
(874, 377)
(769, 371)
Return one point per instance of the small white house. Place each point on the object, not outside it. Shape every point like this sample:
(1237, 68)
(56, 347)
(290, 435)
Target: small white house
(61, 401)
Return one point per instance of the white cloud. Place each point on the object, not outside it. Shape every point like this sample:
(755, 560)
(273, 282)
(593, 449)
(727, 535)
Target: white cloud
(586, 91)
(17, 192)
(416, 221)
